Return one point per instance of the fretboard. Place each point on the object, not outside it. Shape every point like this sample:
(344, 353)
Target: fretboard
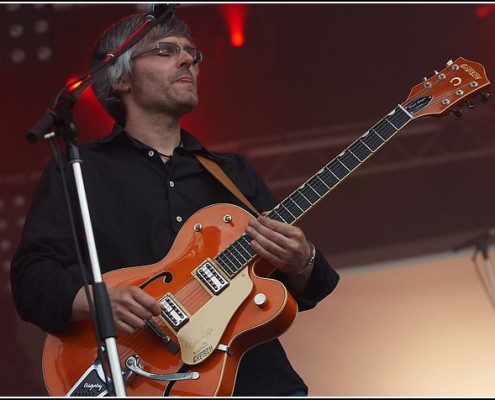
(237, 255)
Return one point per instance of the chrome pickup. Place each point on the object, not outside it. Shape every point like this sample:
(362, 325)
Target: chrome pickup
(211, 277)
(172, 312)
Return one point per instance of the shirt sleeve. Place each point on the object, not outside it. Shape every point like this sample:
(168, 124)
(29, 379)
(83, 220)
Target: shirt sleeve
(45, 275)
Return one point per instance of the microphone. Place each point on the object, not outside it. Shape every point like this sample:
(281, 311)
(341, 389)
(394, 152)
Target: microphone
(482, 238)
(157, 10)
(42, 127)
(56, 114)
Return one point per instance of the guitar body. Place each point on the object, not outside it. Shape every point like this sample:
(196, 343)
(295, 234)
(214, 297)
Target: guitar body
(230, 319)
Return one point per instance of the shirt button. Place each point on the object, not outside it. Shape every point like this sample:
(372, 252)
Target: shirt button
(171, 183)
(151, 153)
(178, 218)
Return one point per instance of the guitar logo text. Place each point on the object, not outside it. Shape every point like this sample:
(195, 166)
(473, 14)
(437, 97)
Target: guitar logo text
(471, 71)
(92, 386)
(456, 81)
(202, 354)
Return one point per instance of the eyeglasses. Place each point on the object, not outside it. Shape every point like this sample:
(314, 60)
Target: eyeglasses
(169, 49)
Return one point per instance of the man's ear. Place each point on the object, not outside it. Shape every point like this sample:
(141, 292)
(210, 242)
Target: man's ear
(123, 85)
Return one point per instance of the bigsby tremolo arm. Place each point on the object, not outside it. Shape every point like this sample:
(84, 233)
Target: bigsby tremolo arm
(133, 364)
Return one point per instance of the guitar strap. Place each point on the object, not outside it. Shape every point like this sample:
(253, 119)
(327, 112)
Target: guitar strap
(221, 176)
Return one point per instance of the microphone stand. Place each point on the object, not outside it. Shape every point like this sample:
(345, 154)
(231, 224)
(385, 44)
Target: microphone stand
(58, 121)
(481, 244)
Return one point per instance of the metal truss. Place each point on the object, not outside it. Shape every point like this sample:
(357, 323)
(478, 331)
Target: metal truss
(288, 160)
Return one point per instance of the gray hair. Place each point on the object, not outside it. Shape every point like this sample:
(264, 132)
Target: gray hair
(109, 41)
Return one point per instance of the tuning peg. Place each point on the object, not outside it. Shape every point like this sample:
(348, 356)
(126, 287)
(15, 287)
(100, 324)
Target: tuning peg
(470, 105)
(458, 113)
(485, 97)
(435, 71)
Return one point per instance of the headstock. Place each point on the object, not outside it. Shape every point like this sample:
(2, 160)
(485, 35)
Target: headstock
(455, 84)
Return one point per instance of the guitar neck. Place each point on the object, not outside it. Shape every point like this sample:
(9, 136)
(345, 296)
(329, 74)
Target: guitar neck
(239, 253)
(318, 186)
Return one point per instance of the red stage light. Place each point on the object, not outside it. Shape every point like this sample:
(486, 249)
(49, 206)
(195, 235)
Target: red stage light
(235, 17)
(485, 10)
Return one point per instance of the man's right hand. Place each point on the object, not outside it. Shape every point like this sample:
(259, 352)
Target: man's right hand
(131, 306)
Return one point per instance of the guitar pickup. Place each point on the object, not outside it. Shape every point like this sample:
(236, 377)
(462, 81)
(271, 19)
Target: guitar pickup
(172, 312)
(211, 277)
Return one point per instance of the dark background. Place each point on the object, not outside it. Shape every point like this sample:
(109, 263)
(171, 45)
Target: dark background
(309, 80)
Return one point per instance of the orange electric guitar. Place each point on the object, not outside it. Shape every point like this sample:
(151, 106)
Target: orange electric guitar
(218, 298)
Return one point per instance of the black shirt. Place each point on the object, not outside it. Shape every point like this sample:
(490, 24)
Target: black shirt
(137, 206)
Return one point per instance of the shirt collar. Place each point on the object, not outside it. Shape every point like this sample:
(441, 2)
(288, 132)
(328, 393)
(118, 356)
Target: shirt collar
(189, 142)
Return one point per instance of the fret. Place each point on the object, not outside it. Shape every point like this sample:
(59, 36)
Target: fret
(245, 251)
(303, 197)
(360, 149)
(236, 256)
(345, 166)
(316, 183)
(279, 212)
(386, 129)
(222, 260)
(244, 259)
(334, 174)
(372, 140)
(336, 168)
(318, 176)
(354, 155)
(288, 216)
(378, 134)
(293, 217)
(229, 250)
(295, 202)
(350, 160)
(276, 216)
(401, 117)
(391, 123)
(311, 193)
(329, 177)
(361, 141)
(244, 243)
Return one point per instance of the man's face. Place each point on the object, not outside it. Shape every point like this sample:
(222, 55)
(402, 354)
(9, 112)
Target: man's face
(163, 81)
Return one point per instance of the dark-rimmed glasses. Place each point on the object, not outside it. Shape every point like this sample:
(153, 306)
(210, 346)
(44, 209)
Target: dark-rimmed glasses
(169, 49)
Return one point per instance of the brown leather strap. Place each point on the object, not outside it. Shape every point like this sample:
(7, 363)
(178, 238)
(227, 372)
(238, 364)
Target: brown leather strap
(218, 173)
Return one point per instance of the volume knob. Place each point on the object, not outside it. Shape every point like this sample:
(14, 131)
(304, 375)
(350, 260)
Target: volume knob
(260, 299)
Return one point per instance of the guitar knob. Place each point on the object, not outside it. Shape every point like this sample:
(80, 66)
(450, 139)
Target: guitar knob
(470, 105)
(260, 299)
